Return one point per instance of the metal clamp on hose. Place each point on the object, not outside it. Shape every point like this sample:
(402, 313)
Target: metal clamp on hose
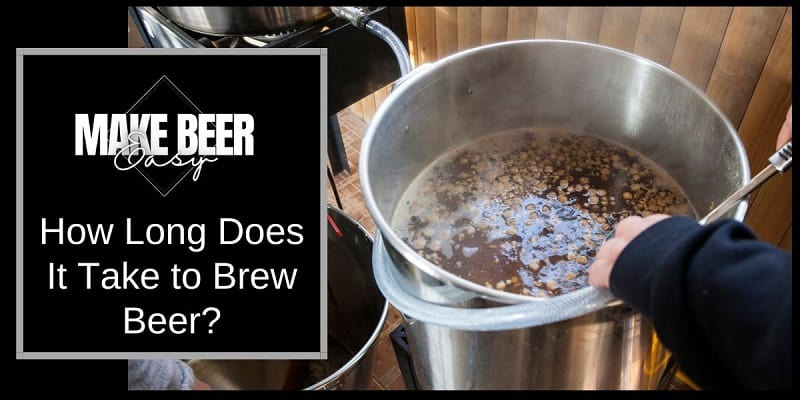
(353, 14)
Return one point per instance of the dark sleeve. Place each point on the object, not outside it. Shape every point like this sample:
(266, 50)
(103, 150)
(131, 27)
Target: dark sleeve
(720, 299)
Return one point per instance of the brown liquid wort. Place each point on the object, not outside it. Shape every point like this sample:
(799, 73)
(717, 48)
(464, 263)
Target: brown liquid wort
(525, 211)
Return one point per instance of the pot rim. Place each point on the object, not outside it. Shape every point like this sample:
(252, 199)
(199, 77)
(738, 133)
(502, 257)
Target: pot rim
(439, 273)
(362, 352)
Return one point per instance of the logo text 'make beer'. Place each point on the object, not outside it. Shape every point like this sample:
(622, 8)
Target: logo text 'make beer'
(196, 135)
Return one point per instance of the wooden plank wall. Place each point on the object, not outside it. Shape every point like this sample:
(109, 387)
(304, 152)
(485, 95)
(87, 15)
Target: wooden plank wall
(740, 56)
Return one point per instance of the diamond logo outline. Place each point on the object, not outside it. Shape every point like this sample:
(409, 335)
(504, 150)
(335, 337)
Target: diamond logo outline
(186, 99)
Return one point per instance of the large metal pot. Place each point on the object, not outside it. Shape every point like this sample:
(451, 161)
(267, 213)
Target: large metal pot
(356, 315)
(579, 87)
(244, 21)
(461, 334)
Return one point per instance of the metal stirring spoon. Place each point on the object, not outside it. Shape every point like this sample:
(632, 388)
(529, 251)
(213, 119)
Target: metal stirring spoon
(781, 161)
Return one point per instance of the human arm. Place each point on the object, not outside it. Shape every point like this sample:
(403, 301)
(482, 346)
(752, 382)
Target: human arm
(720, 299)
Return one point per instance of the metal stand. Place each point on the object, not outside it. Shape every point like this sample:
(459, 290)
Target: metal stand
(336, 152)
(403, 354)
(335, 192)
(669, 374)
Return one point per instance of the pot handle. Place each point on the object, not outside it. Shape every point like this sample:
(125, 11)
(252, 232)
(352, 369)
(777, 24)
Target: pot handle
(401, 80)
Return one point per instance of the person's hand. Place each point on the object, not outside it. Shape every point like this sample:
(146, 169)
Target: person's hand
(200, 385)
(785, 133)
(627, 230)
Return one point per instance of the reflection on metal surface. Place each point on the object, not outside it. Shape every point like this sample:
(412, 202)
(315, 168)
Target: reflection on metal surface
(244, 21)
(587, 352)
(162, 32)
(659, 356)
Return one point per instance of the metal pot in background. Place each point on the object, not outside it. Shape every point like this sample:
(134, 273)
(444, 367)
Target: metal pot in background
(356, 315)
(244, 21)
